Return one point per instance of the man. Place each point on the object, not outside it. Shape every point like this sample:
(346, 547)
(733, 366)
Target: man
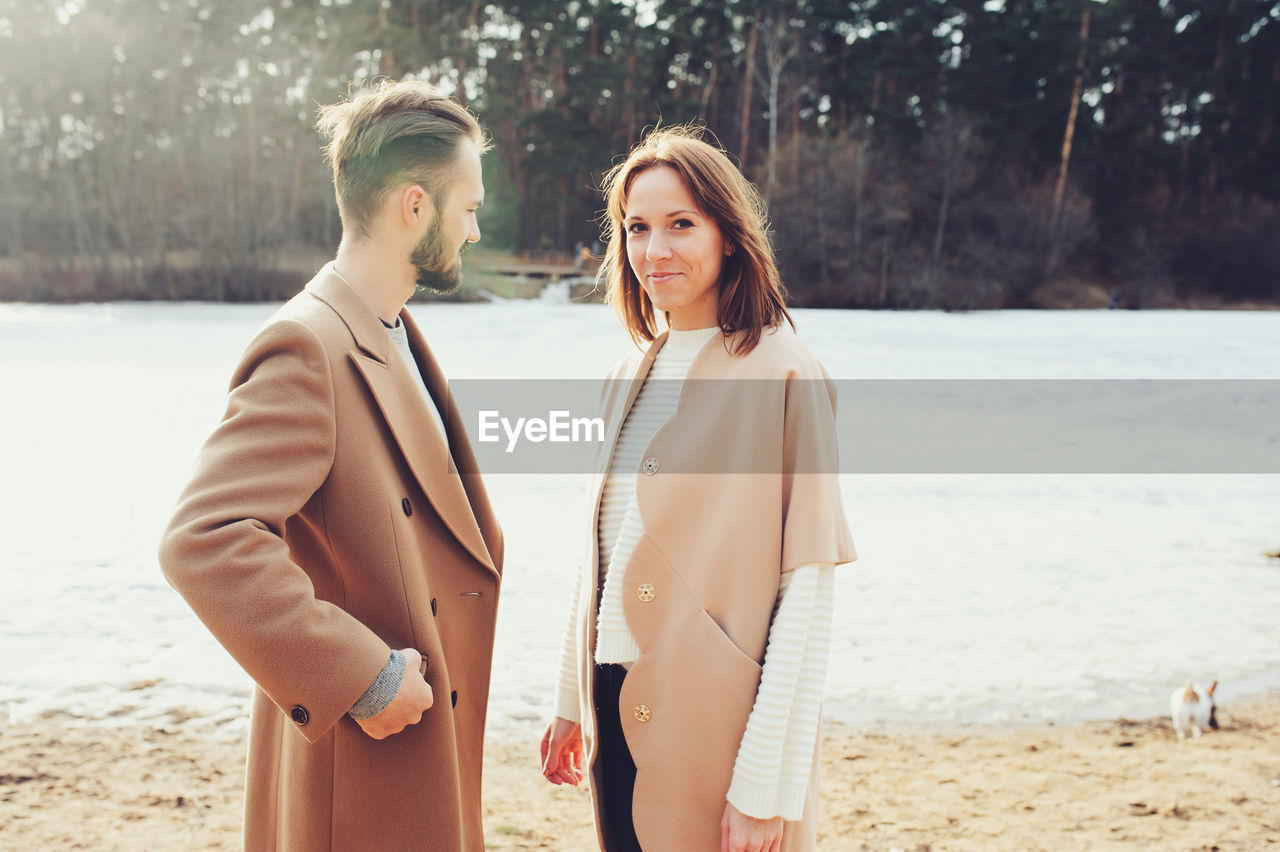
(336, 537)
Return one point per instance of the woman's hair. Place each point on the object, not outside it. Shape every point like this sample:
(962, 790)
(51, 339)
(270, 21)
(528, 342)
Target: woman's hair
(390, 133)
(751, 296)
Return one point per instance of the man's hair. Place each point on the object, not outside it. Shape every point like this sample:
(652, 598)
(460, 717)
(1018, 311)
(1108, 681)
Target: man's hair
(389, 134)
(751, 296)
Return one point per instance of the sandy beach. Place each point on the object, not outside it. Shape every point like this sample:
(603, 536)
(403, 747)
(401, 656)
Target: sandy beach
(1120, 784)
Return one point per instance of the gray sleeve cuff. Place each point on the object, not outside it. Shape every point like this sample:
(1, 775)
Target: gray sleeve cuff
(382, 691)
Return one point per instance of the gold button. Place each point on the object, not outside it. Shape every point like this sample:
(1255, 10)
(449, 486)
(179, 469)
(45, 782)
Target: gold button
(645, 592)
(650, 466)
(643, 713)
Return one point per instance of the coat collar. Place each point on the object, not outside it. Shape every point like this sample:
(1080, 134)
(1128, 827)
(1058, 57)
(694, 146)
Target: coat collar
(460, 501)
(365, 327)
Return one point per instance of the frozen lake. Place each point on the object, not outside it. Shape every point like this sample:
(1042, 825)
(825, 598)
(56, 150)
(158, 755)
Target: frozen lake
(978, 598)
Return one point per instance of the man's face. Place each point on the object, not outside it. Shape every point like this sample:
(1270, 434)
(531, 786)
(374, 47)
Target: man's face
(438, 255)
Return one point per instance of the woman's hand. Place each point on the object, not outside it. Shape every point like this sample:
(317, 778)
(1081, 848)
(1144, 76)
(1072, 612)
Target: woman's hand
(562, 752)
(741, 833)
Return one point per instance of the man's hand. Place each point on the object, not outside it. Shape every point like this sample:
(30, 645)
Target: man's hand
(741, 833)
(412, 700)
(562, 752)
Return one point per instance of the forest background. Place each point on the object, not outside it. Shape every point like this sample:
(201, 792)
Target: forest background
(952, 154)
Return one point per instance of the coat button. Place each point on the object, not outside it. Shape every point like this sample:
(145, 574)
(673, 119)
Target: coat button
(433, 606)
(650, 466)
(645, 592)
(408, 509)
(453, 698)
(642, 713)
(300, 715)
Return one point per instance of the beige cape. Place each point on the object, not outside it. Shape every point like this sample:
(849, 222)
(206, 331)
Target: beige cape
(738, 487)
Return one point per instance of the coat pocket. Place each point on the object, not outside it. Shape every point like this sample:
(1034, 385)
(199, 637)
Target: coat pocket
(720, 657)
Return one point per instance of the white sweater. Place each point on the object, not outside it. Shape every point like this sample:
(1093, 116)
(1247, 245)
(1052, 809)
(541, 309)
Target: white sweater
(771, 775)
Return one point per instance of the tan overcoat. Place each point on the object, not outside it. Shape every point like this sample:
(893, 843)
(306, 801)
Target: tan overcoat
(736, 488)
(323, 528)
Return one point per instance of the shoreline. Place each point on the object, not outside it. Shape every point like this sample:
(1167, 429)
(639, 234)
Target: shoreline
(1118, 784)
(483, 296)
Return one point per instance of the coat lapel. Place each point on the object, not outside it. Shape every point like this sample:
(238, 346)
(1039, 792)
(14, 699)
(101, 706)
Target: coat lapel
(617, 409)
(617, 406)
(400, 401)
(464, 462)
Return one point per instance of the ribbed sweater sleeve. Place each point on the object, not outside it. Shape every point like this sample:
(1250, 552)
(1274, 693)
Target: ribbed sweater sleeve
(567, 692)
(771, 774)
(383, 689)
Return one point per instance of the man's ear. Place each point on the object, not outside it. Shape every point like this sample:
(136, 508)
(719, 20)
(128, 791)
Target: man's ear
(416, 207)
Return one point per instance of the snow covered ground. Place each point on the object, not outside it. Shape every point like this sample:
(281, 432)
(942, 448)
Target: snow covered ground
(978, 598)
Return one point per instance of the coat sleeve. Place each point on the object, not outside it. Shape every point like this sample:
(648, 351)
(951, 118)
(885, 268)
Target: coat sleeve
(815, 528)
(224, 549)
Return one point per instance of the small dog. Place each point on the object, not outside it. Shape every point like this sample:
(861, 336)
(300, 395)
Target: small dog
(1193, 709)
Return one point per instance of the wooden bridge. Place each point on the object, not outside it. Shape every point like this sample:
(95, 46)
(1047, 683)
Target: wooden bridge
(543, 264)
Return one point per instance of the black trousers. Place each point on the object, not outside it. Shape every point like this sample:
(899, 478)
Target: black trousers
(618, 770)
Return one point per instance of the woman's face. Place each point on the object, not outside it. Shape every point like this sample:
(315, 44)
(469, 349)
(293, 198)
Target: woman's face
(674, 249)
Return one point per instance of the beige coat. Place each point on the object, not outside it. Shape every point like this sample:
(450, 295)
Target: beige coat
(738, 487)
(323, 527)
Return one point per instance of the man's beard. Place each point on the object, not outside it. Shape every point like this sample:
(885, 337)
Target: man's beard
(439, 269)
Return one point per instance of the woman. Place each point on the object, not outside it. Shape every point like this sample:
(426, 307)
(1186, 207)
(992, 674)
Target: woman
(697, 646)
